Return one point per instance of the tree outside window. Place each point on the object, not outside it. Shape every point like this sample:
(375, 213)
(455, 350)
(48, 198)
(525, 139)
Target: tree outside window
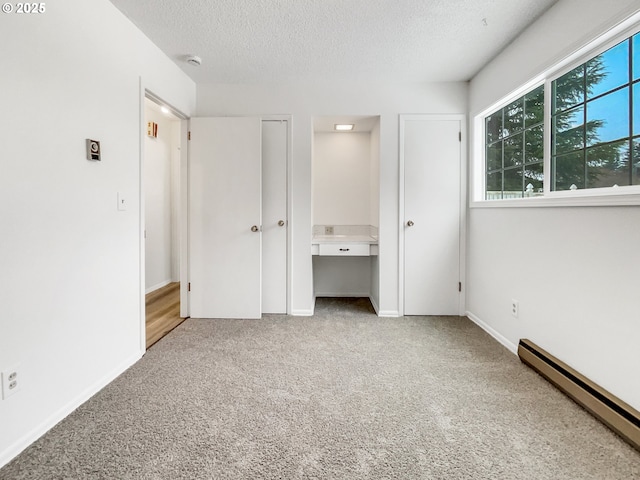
(515, 148)
(595, 130)
(593, 110)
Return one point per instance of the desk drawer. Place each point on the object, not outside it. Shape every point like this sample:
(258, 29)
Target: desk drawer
(344, 249)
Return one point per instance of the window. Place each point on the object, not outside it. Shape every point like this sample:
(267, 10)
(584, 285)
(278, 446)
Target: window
(595, 140)
(584, 134)
(514, 148)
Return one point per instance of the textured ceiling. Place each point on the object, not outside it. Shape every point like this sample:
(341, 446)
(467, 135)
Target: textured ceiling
(250, 41)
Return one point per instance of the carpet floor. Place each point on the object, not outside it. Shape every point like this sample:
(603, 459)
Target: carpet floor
(340, 395)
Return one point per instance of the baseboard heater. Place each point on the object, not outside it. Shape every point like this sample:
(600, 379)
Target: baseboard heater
(613, 412)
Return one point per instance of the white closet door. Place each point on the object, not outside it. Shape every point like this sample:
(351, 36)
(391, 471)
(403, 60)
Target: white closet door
(274, 216)
(224, 205)
(432, 154)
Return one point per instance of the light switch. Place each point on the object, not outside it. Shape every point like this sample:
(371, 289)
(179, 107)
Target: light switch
(122, 202)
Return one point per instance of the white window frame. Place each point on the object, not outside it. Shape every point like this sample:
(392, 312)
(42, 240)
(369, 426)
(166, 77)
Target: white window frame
(625, 195)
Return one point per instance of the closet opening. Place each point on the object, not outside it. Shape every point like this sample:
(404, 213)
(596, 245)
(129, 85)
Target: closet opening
(346, 206)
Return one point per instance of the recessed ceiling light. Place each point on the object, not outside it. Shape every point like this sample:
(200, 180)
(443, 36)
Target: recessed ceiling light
(343, 127)
(165, 110)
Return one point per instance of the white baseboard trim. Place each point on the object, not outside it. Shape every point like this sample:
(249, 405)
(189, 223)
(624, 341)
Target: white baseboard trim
(389, 313)
(494, 333)
(157, 286)
(375, 304)
(344, 295)
(302, 313)
(23, 442)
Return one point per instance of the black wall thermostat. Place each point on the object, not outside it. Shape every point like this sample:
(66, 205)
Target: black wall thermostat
(93, 149)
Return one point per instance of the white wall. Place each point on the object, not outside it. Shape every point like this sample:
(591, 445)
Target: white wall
(341, 276)
(161, 163)
(374, 176)
(341, 178)
(305, 101)
(574, 270)
(176, 194)
(70, 280)
(374, 204)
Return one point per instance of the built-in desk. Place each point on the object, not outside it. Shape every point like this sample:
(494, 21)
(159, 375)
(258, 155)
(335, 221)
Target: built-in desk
(359, 241)
(345, 260)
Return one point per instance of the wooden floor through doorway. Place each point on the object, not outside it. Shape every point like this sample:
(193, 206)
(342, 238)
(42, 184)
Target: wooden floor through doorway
(163, 312)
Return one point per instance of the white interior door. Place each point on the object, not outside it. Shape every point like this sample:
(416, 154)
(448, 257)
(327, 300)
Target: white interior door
(432, 154)
(274, 216)
(224, 206)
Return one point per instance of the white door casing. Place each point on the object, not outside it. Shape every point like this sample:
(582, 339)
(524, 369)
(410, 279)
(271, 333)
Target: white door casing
(225, 193)
(274, 216)
(431, 159)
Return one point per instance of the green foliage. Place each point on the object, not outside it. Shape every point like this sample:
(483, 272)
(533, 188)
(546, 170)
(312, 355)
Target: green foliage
(580, 157)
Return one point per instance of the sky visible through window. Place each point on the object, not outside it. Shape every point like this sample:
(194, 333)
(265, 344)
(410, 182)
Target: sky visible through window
(613, 109)
(594, 107)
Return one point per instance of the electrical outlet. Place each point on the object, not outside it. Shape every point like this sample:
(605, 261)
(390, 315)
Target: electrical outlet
(515, 308)
(11, 381)
(328, 230)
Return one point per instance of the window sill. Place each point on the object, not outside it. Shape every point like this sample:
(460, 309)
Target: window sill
(566, 199)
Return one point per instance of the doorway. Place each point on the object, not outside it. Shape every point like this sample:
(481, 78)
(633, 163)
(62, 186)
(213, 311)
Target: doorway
(161, 216)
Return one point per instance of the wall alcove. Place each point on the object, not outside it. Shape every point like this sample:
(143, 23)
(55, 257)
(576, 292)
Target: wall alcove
(346, 207)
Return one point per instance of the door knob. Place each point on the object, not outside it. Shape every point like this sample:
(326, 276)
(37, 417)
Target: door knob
(254, 228)
(410, 223)
(281, 223)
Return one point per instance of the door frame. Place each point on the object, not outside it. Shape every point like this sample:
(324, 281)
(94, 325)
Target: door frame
(183, 228)
(403, 118)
